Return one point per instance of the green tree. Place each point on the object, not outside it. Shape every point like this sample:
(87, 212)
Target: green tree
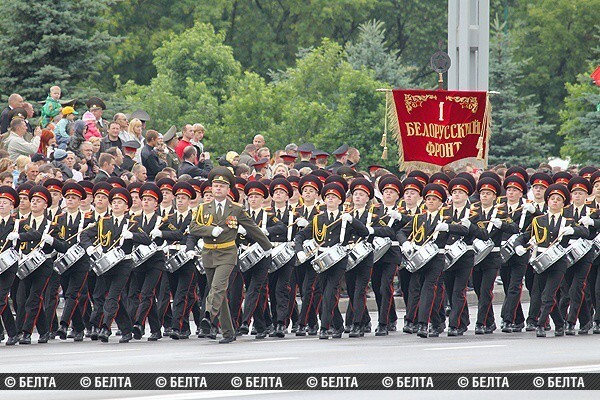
(45, 42)
(370, 50)
(556, 35)
(517, 129)
(143, 26)
(581, 122)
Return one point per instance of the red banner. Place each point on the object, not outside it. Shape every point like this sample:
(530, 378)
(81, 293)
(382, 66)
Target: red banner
(439, 126)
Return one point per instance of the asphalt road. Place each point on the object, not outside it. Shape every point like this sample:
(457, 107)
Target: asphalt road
(398, 352)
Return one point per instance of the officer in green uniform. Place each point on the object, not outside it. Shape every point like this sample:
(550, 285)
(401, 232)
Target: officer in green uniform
(217, 223)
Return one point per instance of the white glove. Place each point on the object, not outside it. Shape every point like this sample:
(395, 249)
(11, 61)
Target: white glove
(301, 256)
(346, 217)
(191, 253)
(586, 220)
(442, 227)
(529, 207)
(12, 236)
(465, 222)
(302, 222)
(567, 231)
(90, 250)
(497, 222)
(242, 230)
(265, 231)
(394, 214)
(127, 235)
(520, 250)
(371, 230)
(407, 247)
(156, 233)
(47, 239)
(217, 230)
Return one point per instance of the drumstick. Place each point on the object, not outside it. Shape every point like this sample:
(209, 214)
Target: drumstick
(88, 227)
(3, 247)
(119, 238)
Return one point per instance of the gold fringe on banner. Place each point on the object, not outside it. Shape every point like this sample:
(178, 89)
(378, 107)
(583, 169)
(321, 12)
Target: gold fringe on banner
(485, 134)
(394, 127)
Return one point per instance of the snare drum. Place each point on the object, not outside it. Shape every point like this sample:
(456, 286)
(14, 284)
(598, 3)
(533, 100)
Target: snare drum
(360, 251)
(548, 258)
(455, 251)
(482, 249)
(142, 253)
(108, 261)
(8, 258)
(251, 256)
(178, 260)
(380, 246)
(67, 260)
(422, 256)
(578, 249)
(508, 248)
(281, 255)
(30, 263)
(330, 256)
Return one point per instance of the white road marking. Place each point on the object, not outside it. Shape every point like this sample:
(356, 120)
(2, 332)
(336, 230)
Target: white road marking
(568, 369)
(248, 361)
(464, 347)
(203, 395)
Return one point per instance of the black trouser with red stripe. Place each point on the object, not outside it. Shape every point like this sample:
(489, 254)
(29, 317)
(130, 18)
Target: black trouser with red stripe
(382, 281)
(311, 295)
(512, 274)
(163, 302)
(357, 282)
(484, 276)
(573, 304)
(51, 300)
(98, 297)
(181, 283)
(331, 280)
(255, 280)
(438, 310)
(295, 283)
(549, 283)
(147, 282)
(421, 292)
(235, 296)
(6, 281)
(30, 300)
(456, 279)
(404, 281)
(114, 307)
(280, 292)
(73, 282)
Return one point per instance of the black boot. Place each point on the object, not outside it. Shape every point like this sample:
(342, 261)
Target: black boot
(355, 331)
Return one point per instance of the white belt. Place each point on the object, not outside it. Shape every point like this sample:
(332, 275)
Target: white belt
(495, 249)
(469, 247)
(395, 243)
(502, 243)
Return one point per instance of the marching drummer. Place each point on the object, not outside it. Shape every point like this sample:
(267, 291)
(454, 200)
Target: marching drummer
(310, 187)
(24, 208)
(548, 230)
(457, 276)
(148, 274)
(70, 224)
(182, 282)
(572, 298)
(279, 281)
(513, 270)
(255, 278)
(112, 231)
(493, 217)
(357, 279)
(433, 226)
(384, 269)
(100, 194)
(330, 228)
(9, 199)
(136, 202)
(34, 235)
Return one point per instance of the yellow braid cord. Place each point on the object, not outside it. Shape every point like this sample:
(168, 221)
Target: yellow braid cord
(319, 235)
(417, 234)
(104, 239)
(540, 233)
